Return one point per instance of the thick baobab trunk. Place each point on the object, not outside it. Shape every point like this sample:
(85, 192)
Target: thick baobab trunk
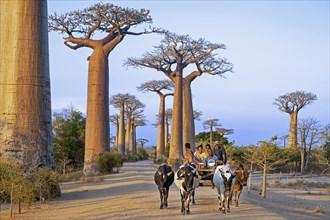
(121, 135)
(293, 129)
(160, 150)
(128, 142)
(176, 148)
(188, 115)
(264, 182)
(97, 117)
(25, 101)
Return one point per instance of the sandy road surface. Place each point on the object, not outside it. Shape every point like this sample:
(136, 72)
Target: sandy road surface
(132, 194)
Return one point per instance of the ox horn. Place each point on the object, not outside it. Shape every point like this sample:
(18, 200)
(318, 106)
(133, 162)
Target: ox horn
(170, 173)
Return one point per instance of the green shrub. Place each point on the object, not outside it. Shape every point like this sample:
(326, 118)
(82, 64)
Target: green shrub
(108, 161)
(45, 182)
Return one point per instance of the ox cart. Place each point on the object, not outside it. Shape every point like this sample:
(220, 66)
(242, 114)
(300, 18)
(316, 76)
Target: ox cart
(205, 174)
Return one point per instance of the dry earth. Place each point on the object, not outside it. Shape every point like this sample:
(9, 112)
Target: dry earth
(132, 194)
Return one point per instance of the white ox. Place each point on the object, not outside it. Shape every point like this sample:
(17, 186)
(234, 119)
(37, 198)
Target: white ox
(222, 180)
(186, 180)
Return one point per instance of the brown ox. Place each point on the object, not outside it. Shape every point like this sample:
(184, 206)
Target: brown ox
(240, 180)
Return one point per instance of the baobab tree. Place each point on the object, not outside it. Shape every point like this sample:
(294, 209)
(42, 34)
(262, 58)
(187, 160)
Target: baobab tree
(142, 141)
(171, 57)
(118, 101)
(136, 123)
(25, 101)
(80, 27)
(292, 103)
(133, 110)
(157, 86)
(210, 124)
(168, 119)
(114, 119)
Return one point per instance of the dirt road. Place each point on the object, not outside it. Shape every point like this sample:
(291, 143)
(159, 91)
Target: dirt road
(132, 194)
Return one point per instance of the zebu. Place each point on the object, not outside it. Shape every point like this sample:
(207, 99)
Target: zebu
(222, 180)
(186, 180)
(164, 178)
(240, 180)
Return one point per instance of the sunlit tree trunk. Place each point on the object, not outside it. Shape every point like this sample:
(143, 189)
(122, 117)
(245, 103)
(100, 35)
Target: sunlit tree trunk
(176, 148)
(133, 139)
(25, 101)
(293, 129)
(128, 142)
(117, 135)
(97, 116)
(121, 135)
(160, 151)
(188, 115)
(166, 133)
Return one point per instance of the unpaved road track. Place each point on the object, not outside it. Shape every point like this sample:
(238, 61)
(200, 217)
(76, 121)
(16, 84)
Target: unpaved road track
(132, 194)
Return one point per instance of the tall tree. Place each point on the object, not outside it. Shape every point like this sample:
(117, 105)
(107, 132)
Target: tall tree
(133, 110)
(136, 123)
(158, 86)
(168, 119)
(171, 57)
(25, 101)
(118, 101)
(114, 119)
(210, 124)
(142, 141)
(80, 26)
(292, 103)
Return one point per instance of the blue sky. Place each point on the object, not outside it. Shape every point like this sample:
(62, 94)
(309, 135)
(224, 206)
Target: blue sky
(276, 47)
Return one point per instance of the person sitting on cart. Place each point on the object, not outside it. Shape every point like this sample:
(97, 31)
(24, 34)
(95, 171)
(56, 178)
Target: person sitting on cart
(208, 165)
(200, 154)
(189, 155)
(220, 152)
(210, 156)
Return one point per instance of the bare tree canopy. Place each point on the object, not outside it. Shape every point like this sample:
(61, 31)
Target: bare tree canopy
(107, 18)
(211, 123)
(294, 101)
(156, 86)
(182, 47)
(197, 115)
(120, 99)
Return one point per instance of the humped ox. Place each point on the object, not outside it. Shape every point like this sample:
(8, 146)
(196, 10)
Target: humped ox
(222, 180)
(186, 180)
(164, 178)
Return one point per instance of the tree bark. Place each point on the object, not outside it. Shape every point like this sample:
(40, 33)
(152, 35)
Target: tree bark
(264, 181)
(128, 142)
(25, 100)
(176, 148)
(117, 135)
(133, 139)
(166, 133)
(211, 135)
(97, 116)
(293, 129)
(121, 135)
(160, 151)
(302, 154)
(188, 115)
